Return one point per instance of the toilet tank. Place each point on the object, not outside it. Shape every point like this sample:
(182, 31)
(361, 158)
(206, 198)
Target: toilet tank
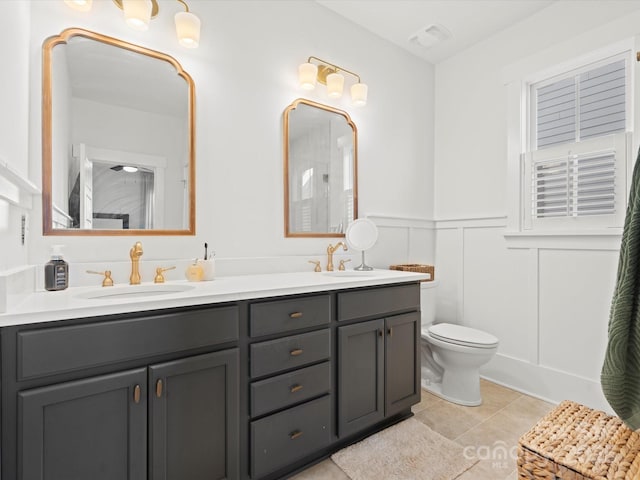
(428, 303)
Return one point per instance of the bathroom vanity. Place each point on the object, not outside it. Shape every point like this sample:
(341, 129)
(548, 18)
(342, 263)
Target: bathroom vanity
(232, 382)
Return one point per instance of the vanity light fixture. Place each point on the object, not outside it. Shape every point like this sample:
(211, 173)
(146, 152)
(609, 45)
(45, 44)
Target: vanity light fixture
(331, 75)
(138, 15)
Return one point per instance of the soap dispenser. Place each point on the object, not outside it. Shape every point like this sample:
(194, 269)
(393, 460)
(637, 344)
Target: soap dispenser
(56, 271)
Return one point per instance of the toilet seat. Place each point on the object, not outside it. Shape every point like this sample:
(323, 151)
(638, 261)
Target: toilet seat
(464, 336)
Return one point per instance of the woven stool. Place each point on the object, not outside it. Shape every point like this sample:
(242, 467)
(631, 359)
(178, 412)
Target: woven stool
(574, 442)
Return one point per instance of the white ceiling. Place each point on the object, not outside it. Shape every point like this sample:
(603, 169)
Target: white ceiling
(469, 21)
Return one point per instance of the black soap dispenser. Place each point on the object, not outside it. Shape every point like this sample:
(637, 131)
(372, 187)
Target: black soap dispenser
(56, 271)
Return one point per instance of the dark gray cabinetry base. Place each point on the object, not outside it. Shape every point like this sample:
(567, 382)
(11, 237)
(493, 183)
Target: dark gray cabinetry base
(88, 429)
(194, 418)
(249, 390)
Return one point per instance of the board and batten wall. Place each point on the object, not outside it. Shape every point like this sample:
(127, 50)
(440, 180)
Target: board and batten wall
(546, 299)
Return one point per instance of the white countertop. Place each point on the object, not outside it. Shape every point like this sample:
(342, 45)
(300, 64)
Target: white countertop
(44, 306)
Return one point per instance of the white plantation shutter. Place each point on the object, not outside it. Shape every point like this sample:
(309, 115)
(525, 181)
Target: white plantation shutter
(580, 106)
(575, 174)
(583, 180)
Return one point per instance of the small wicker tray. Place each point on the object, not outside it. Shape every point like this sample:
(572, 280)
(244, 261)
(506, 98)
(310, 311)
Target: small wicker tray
(416, 267)
(574, 442)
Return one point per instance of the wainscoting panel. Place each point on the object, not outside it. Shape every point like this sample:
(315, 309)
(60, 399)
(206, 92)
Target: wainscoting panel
(549, 306)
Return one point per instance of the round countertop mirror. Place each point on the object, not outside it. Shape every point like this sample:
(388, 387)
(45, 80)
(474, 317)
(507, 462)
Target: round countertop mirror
(362, 234)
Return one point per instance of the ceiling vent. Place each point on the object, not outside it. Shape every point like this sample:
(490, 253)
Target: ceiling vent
(430, 35)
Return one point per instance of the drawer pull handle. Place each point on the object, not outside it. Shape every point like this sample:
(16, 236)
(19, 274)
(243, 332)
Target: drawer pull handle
(380, 333)
(159, 388)
(295, 315)
(296, 388)
(296, 434)
(391, 331)
(136, 394)
(296, 352)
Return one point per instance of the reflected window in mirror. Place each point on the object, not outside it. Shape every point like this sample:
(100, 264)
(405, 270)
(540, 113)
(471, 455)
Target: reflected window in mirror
(118, 139)
(320, 170)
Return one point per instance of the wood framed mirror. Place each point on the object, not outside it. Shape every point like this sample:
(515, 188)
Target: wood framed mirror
(320, 170)
(118, 139)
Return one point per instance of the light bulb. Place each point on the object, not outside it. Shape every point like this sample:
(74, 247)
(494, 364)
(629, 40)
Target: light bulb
(80, 5)
(359, 94)
(307, 75)
(137, 13)
(188, 29)
(335, 84)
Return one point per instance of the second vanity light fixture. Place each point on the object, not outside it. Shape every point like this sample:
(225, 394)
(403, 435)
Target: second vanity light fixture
(317, 70)
(138, 15)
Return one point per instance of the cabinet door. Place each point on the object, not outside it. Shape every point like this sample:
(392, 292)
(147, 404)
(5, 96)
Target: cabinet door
(194, 418)
(95, 428)
(360, 376)
(402, 362)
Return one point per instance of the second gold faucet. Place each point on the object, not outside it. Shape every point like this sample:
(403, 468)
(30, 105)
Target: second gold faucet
(330, 251)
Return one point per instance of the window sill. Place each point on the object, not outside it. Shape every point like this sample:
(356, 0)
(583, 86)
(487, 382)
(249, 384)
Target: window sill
(608, 239)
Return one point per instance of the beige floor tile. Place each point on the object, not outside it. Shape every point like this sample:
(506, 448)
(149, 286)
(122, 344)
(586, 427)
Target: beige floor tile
(447, 419)
(497, 394)
(325, 470)
(512, 476)
(426, 401)
(522, 414)
(490, 437)
(481, 471)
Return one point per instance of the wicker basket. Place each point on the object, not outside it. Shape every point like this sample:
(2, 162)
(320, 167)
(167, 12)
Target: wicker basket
(574, 442)
(416, 267)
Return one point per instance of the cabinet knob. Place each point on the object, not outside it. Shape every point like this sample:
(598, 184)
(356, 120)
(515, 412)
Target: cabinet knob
(159, 388)
(296, 352)
(136, 394)
(295, 388)
(295, 315)
(294, 435)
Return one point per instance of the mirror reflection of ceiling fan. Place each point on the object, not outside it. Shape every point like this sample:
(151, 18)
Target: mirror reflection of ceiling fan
(130, 169)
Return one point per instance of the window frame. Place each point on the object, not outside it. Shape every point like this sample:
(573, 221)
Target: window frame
(518, 82)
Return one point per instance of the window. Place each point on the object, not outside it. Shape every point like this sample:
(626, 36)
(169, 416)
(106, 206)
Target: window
(574, 173)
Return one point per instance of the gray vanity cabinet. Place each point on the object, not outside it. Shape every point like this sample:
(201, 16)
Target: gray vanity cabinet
(93, 428)
(194, 418)
(378, 359)
(136, 397)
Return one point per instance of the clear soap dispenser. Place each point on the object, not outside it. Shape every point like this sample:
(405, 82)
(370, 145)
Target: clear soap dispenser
(56, 270)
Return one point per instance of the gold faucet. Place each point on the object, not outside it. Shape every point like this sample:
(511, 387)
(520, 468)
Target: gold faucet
(330, 251)
(135, 253)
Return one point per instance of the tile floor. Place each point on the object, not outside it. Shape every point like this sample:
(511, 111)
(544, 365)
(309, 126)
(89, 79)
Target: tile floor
(496, 424)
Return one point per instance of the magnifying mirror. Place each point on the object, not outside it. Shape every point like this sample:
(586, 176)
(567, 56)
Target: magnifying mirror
(362, 234)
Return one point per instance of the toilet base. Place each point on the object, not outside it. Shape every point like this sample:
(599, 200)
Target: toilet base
(436, 389)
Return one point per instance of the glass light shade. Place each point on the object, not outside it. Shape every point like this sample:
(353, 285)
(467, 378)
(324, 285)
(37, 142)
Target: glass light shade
(130, 169)
(335, 84)
(137, 13)
(359, 94)
(188, 29)
(80, 5)
(307, 75)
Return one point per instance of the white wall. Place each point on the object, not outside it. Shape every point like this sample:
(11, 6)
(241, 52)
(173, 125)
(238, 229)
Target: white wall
(245, 74)
(548, 302)
(14, 99)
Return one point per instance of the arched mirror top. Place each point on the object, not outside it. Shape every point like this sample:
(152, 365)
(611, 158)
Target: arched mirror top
(320, 170)
(118, 139)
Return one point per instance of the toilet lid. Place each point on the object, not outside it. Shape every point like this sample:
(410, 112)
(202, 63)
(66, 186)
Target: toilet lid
(460, 335)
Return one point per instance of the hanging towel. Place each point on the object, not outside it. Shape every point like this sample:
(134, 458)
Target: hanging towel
(620, 376)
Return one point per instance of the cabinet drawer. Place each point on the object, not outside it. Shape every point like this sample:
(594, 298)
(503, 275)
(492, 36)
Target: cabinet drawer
(289, 352)
(289, 388)
(286, 315)
(63, 349)
(285, 437)
(378, 301)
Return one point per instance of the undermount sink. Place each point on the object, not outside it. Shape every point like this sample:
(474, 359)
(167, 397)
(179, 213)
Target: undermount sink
(350, 273)
(133, 291)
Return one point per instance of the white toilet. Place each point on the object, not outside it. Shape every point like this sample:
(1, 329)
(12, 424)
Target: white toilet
(452, 354)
